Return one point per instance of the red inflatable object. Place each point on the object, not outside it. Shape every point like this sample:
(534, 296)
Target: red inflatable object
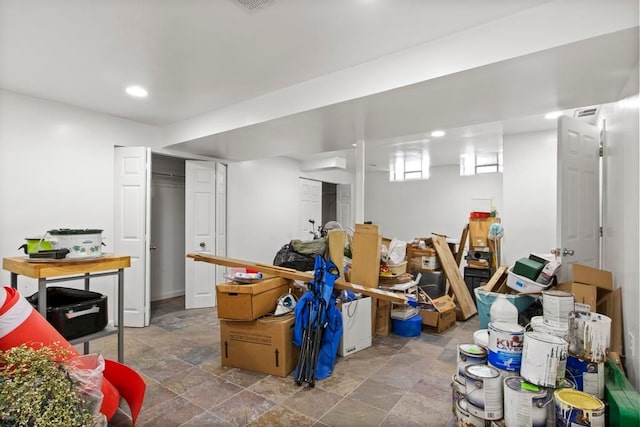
(21, 324)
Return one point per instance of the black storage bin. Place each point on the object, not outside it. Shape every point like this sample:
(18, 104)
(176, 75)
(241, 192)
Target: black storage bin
(475, 277)
(74, 312)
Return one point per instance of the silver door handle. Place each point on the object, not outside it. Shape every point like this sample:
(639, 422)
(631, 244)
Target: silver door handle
(564, 252)
(567, 252)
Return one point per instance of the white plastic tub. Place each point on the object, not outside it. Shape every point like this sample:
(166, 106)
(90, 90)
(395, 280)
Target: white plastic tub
(524, 285)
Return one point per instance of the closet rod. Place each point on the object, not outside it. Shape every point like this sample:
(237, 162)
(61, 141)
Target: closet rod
(168, 174)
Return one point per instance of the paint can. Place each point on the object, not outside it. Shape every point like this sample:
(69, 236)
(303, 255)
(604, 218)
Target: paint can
(589, 335)
(577, 408)
(525, 404)
(465, 418)
(551, 409)
(469, 354)
(484, 391)
(505, 345)
(544, 359)
(457, 391)
(588, 376)
(538, 325)
(556, 306)
(504, 373)
(481, 338)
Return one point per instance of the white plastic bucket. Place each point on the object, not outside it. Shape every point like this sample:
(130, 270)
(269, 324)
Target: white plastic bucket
(505, 345)
(544, 359)
(484, 391)
(525, 404)
(589, 335)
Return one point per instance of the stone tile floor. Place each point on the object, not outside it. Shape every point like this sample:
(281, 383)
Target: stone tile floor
(398, 381)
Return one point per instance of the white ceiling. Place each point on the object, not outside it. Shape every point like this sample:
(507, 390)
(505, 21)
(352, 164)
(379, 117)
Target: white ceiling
(199, 56)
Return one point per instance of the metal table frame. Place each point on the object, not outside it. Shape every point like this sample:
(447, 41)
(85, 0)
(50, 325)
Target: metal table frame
(34, 270)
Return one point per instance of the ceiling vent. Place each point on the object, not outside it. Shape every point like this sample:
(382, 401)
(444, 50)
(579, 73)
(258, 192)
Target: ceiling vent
(585, 112)
(252, 5)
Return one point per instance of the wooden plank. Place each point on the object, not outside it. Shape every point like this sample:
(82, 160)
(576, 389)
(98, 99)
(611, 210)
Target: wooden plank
(335, 241)
(288, 273)
(498, 278)
(365, 266)
(451, 270)
(463, 241)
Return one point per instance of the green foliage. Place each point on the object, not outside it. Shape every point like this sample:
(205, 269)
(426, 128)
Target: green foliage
(36, 390)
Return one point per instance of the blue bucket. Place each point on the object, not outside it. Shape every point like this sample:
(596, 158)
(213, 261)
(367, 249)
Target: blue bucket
(484, 299)
(411, 327)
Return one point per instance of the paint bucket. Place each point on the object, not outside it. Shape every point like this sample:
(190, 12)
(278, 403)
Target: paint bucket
(589, 335)
(469, 354)
(484, 391)
(588, 376)
(544, 359)
(525, 404)
(505, 345)
(538, 325)
(577, 408)
(457, 391)
(464, 418)
(481, 338)
(551, 409)
(556, 306)
(504, 373)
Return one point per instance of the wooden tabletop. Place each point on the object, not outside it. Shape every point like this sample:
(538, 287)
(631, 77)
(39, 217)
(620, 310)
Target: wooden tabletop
(38, 269)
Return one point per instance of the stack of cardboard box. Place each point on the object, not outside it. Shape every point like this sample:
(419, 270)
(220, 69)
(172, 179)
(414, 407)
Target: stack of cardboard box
(249, 337)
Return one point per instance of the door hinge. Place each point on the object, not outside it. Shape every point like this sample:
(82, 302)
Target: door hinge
(601, 151)
(601, 231)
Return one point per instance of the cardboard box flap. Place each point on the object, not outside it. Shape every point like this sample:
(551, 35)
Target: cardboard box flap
(442, 304)
(253, 288)
(593, 276)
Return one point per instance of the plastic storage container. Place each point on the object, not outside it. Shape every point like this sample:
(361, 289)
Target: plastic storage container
(74, 312)
(485, 299)
(524, 285)
(411, 327)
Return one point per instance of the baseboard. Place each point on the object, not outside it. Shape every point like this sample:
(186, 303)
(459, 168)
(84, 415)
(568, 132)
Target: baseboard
(167, 295)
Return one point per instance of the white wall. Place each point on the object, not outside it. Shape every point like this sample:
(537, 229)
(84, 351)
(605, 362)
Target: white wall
(529, 194)
(56, 170)
(441, 204)
(621, 213)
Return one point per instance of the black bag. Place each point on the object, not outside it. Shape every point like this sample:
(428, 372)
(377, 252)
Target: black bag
(287, 257)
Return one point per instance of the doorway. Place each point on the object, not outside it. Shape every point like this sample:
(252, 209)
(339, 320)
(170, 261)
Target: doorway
(167, 269)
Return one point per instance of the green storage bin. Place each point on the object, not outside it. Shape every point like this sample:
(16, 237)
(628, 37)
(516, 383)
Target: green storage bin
(528, 268)
(622, 399)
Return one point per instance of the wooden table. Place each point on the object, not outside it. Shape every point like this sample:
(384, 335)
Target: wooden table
(53, 271)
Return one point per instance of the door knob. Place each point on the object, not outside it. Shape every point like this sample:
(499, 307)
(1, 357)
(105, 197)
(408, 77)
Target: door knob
(567, 252)
(564, 252)
(203, 245)
(153, 248)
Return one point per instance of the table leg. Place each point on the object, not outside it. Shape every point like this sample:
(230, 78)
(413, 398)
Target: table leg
(42, 297)
(121, 315)
(14, 280)
(86, 288)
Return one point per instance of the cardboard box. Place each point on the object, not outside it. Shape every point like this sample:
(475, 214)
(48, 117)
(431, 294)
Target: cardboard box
(250, 301)
(440, 315)
(594, 287)
(264, 345)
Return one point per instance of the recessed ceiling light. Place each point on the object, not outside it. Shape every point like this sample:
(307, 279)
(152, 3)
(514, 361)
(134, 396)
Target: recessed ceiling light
(553, 115)
(437, 133)
(354, 145)
(137, 91)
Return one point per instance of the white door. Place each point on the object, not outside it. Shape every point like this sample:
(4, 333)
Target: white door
(200, 232)
(221, 218)
(132, 229)
(343, 201)
(578, 194)
(310, 207)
